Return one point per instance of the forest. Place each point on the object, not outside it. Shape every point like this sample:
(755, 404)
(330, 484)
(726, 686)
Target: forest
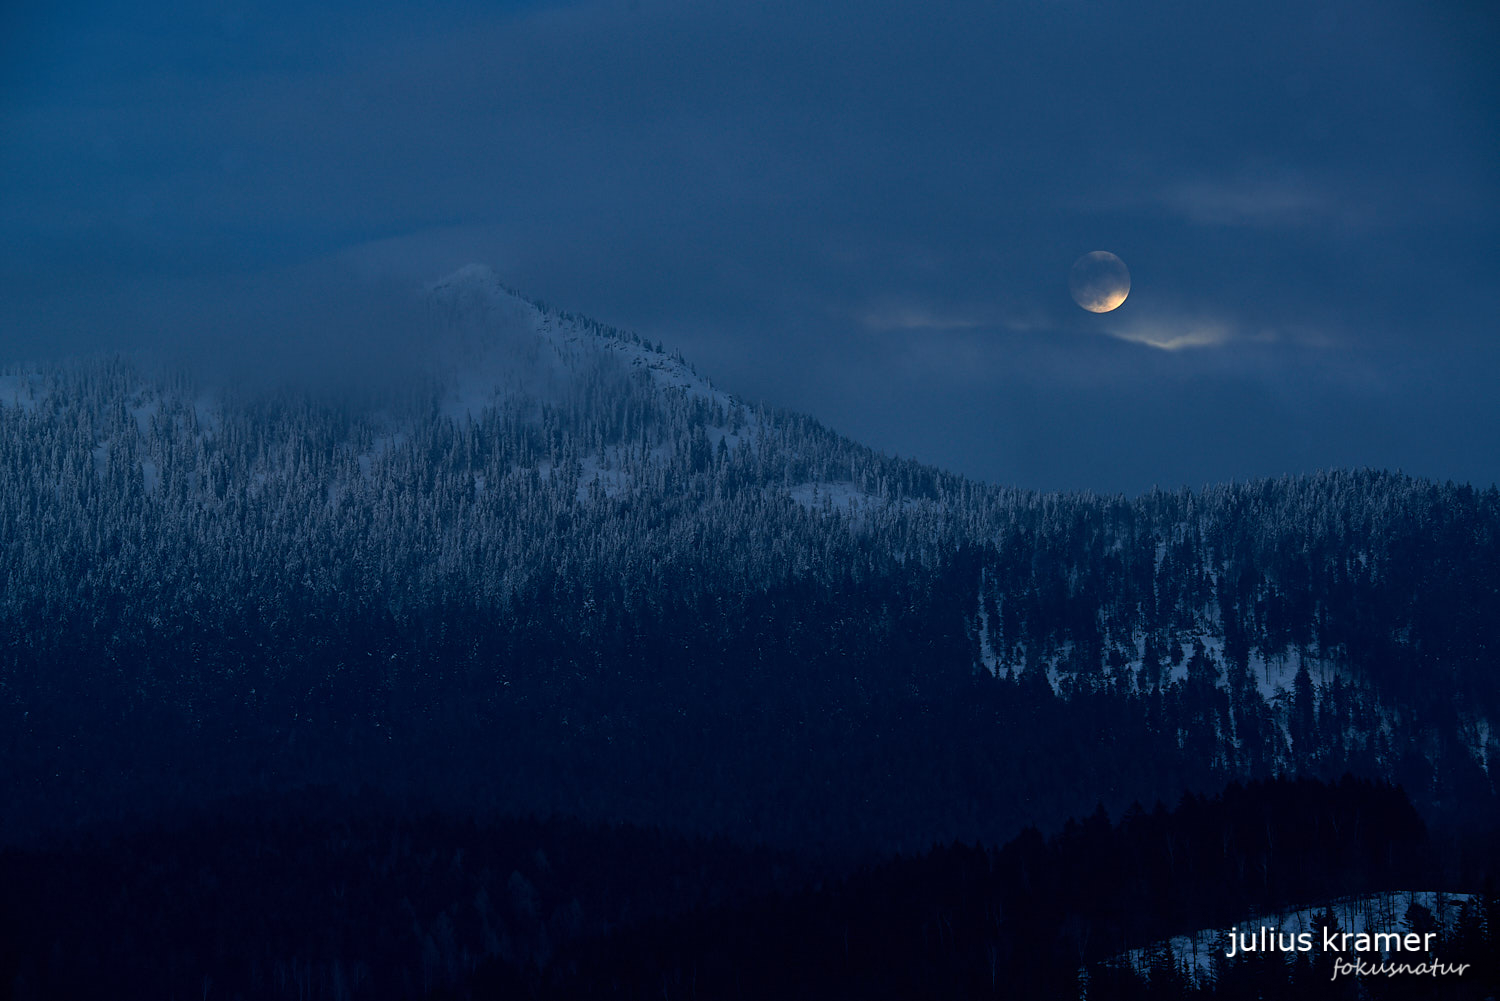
(316, 895)
(608, 593)
(209, 596)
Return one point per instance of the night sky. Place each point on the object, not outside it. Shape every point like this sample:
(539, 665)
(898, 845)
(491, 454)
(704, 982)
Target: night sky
(865, 211)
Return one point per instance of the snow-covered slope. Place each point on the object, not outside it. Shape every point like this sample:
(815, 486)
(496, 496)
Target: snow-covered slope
(495, 344)
(552, 441)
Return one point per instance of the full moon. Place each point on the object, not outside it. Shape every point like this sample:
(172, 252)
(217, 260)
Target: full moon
(1100, 281)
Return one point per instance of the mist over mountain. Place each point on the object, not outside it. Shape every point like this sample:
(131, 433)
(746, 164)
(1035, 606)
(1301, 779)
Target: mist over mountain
(562, 571)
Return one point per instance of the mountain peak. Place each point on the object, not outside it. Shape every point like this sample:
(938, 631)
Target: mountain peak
(471, 273)
(492, 343)
(473, 283)
(498, 344)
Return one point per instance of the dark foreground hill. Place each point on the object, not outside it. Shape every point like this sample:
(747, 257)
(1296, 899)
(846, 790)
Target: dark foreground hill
(322, 896)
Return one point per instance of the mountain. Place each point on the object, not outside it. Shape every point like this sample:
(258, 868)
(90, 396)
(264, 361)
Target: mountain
(563, 572)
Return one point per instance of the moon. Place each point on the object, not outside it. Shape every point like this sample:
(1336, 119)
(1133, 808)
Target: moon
(1099, 281)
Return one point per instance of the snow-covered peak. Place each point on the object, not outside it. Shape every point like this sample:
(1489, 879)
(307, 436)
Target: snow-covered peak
(492, 344)
(497, 344)
(474, 291)
(474, 274)
(473, 313)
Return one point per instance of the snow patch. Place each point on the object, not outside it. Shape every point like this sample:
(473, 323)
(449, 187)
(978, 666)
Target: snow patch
(143, 412)
(1478, 734)
(989, 660)
(379, 447)
(601, 474)
(1195, 953)
(836, 496)
(22, 391)
(206, 412)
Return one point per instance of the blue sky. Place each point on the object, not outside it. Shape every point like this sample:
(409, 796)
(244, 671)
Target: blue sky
(866, 211)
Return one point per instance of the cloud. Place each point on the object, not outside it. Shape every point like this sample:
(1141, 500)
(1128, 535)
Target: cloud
(1174, 337)
(912, 317)
(1258, 202)
(797, 195)
(1172, 331)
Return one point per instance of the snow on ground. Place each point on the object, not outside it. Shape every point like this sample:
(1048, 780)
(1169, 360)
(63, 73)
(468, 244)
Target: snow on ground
(142, 410)
(749, 431)
(502, 345)
(496, 344)
(381, 445)
(1379, 912)
(206, 410)
(603, 475)
(1478, 734)
(22, 390)
(1054, 666)
(989, 660)
(836, 496)
(1273, 674)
